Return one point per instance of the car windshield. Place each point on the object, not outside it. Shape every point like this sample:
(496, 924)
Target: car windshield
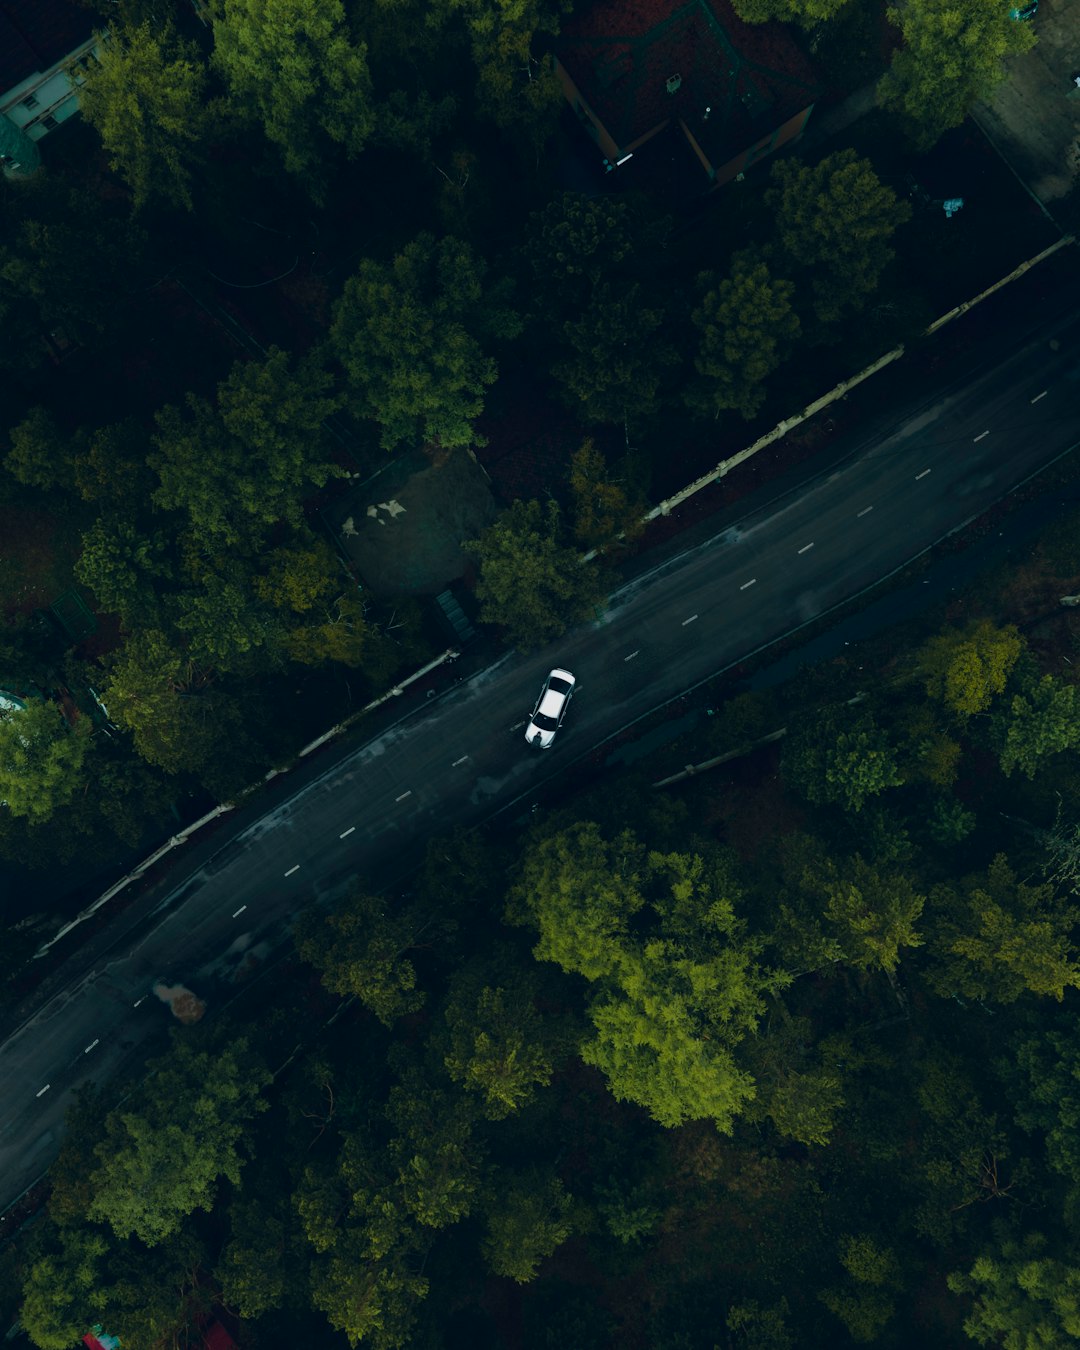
(559, 686)
(544, 722)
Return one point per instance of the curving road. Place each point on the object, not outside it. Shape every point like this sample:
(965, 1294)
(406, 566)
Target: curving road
(464, 756)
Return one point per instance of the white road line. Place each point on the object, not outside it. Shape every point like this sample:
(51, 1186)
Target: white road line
(980, 436)
(921, 475)
(43, 1090)
(239, 911)
(403, 796)
(805, 547)
(865, 511)
(632, 655)
(91, 1046)
(346, 832)
(459, 761)
(689, 620)
(292, 870)
(747, 583)
(1039, 396)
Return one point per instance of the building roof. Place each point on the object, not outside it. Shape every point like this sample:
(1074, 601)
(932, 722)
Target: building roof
(36, 34)
(640, 62)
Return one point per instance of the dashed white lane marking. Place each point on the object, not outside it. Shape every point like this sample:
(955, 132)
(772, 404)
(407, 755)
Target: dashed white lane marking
(747, 583)
(239, 911)
(91, 1045)
(632, 655)
(43, 1090)
(980, 436)
(689, 620)
(403, 796)
(1039, 396)
(865, 511)
(346, 832)
(459, 761)
(805, 547)
(921, 475)
(292, 870)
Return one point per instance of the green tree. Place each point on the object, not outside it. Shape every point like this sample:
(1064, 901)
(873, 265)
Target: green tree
(529, 583)
(124, 567)
(809, 13)
(618, 356)
(254, 1264)
(605, 509)
(364, 1276)
(677, 986)
(237, 469)
(952, 57)
(999, 938)
(40, 454)
(867, 1300)
(298, 69)
(746, 324)
(873, 913)
(517, 90)
(498, 1046)
(965, 668)
(436, 1158)
(843, 758)
(297, 579)
(161, 1158)
(226, 627)
(111, 467)
(338, 635)
(578, 237)
(580, 891)
(1043, 1069)
(527, 1219)
(150, 690)
(1023, 1299)
(61, 1289)
(1042, 721)
(360, 949)
(146, 98)
(834, 220)
(408, 336)
(43, 761)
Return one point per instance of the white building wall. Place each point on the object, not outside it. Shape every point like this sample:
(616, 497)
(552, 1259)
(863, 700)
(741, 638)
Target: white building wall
(38, 104)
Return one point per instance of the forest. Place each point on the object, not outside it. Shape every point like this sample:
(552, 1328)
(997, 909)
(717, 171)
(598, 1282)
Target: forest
(775, 1057)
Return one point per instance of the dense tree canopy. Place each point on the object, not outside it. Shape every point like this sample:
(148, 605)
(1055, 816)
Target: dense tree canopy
(834, 223)
(951, 58)
(408, 336)
(147, 100)
(529, 583)
(43, 760)
(298, 70)
(746, 323)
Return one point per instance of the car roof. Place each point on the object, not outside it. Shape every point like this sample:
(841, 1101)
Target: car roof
(551, 702)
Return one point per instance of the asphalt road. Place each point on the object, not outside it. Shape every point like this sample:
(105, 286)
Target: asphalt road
(464, 757)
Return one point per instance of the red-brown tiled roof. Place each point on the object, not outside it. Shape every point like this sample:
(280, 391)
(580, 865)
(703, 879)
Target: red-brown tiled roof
(35, 34)
(622, 53)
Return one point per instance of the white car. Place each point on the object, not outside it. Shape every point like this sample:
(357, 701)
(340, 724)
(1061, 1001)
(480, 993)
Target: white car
(555, 695)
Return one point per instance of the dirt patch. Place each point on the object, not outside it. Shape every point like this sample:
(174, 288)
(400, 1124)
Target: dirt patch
(1034, 117)
(404, 528)
(35, 565)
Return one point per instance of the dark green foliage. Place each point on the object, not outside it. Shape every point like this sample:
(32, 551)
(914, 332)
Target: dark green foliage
(408, 336)
(529, 583)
